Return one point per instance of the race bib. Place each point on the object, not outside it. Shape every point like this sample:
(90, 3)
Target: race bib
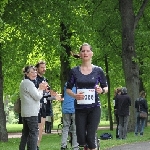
(89, 96)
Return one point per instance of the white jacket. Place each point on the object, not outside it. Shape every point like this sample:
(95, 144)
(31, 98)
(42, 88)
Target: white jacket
(30, 98)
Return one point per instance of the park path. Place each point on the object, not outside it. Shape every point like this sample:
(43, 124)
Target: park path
(18, 134)
(133, 146)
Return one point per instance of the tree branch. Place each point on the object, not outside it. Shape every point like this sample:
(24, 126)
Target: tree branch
(140, 13)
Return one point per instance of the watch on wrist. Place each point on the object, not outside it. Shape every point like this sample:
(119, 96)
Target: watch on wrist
(103, 91)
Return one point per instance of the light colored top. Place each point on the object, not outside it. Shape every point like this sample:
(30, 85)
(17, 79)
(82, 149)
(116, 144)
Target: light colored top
(30, 98)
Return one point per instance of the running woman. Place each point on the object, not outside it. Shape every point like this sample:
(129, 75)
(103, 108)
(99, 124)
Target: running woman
(90, 81)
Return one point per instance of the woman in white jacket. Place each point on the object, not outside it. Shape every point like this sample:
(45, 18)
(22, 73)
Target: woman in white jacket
(30, 103)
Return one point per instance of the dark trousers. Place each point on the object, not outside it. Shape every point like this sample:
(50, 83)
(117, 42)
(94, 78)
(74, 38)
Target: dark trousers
(123, 124)
(87, 121)
(47, 127)
(140, 124)
(117, 129)
(29, 133)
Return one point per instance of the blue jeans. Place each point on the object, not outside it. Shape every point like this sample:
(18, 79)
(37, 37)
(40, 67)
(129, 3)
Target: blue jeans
(140, 124)
(29, 133)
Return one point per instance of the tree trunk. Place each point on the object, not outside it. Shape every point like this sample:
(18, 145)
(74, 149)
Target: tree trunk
(3, 130)
(130, 67)
(141, 86)
(109, 101)
(65, 54)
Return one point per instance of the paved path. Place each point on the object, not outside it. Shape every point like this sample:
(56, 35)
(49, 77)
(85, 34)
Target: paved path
(18, 135)
(133, 146)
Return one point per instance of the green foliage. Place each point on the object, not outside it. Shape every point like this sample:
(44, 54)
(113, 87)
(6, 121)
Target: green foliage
(35, 35)
(57, 112)
(2, 6)
(11, 117)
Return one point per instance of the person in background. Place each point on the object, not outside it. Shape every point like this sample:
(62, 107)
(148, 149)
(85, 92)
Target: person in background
(68, 115)
(49, 112)
(123, 101)
(30, 104)
(117, 92)
(49, 115)
(90, 81)
(140, 105)
(41, 69)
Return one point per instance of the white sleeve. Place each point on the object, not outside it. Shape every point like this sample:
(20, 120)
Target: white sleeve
(35, 93)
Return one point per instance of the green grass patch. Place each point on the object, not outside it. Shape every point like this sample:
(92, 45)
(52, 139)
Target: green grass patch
(52, 141)
(18, 127)
(14, 128)
(131, 138)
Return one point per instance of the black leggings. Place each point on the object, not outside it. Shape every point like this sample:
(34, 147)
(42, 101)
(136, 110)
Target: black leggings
(87, 121)
(42, 112)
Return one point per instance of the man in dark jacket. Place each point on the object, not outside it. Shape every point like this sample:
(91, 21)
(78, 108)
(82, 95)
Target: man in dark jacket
(123, 102)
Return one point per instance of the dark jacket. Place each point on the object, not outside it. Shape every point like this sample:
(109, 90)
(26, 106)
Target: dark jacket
(38, 81)
(141, 104)
(115, 107)
(123, 102)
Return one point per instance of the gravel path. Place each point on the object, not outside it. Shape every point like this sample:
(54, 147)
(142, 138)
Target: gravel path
(133, 146)
(18, 135)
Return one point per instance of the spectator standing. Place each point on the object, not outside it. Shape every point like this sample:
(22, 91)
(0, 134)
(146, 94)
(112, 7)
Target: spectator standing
(123, 102)
(49, 115)
(41, 69)
(117, 92)
(30, 103)
(140, 105)
(90, 81)
(68, 115)
(49, 112)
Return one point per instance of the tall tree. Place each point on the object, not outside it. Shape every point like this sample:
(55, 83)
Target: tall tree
(131, 69)
(109, 100)
(3, 130)
(65, 54)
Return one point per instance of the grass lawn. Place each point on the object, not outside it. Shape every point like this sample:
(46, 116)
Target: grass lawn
(18, 127)
(52, 141)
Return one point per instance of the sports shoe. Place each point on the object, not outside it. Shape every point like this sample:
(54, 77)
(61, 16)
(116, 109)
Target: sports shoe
(136, 134)
(141, 134)
(38, 148)
(62, 148)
